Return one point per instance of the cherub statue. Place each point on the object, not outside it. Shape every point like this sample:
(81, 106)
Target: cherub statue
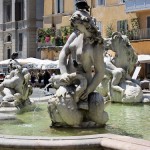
(15, 88)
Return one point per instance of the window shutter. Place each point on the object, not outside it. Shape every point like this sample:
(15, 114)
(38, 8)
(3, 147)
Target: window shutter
(118, 25)
(61, 3)
(74, 5)
(96, 2)
(56, 6)
(126, 25)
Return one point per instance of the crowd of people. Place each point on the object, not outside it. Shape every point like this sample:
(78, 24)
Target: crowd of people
(40, 78)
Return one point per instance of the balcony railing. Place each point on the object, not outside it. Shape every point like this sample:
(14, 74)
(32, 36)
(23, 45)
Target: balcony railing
(22, 24)
(2, 27)
(137, 5)
(17, 25)
(10, 25)
(139, 34)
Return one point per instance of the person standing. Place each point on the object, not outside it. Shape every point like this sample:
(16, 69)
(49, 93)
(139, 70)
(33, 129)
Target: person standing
(33, 79)
(39, 76)
(46, 77)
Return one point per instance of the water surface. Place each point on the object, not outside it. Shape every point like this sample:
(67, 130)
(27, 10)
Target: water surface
(130, 120)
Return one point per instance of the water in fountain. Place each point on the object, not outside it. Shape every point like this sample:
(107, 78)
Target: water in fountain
(130, 120)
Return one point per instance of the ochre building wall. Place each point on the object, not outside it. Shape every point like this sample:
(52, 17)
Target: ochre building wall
(49, 54)
(143, 18)
(112, 12)
(108, 15)
(141, 47)
(48, 7)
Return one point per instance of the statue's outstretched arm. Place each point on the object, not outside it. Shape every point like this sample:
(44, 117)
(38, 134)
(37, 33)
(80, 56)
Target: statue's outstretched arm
(12, 73)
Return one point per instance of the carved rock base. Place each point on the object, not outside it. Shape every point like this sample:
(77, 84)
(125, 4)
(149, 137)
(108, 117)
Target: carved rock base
(64, 111)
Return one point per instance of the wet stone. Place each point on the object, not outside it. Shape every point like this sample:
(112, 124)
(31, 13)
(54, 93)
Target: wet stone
(6, 116)
(8, 110)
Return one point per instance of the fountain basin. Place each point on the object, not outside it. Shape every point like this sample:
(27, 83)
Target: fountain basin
(51, 138)
(129, 120)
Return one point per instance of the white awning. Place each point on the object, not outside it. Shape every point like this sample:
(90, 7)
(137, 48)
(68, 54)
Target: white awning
(34, 63)
(144, 58)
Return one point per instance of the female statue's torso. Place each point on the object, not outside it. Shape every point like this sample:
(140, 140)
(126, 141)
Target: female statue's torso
(82, 52)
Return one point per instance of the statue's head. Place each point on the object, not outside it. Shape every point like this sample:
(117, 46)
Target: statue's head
(125, 56)
(82, 5)
(26, 75)
(14, 64)
(25, 71)
(119, 42)
(14, 55)
(83, 22)
(82, 19)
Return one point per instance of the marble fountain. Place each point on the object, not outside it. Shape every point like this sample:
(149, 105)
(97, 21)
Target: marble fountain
(104, 109)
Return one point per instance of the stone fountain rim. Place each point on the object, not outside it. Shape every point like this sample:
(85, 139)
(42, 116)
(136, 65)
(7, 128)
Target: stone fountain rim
(111, 141)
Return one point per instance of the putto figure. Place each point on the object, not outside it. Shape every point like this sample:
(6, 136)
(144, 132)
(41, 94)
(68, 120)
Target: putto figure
(15, 88)
(72, 105)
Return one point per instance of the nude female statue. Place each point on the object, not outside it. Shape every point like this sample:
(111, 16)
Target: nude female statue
(85, 47)
(82, 51)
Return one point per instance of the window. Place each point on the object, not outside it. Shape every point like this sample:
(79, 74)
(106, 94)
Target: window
(148, 27)
(19, 11)
(100, 2)
(147, 70)
(122, 26)
(122, 1)
(20, 41)
(148, 22)
(8, 12)
(8, 53)
(59, 6)
(8, 38)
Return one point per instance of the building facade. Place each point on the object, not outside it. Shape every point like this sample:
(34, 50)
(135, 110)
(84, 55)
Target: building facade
(19, 21)
(141, 41)
(130, 17)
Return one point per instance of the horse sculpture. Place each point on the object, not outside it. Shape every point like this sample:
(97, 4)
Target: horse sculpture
(117, 84)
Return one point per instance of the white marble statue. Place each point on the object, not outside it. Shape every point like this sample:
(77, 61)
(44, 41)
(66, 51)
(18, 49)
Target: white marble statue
(76, 103)
(58, 82)
(117, 84)
(15, 88)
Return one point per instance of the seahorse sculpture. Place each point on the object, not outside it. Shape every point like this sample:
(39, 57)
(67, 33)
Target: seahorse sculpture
(117, 83)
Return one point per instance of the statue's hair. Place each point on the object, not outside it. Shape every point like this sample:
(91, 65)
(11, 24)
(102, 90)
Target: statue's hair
(83, 17)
